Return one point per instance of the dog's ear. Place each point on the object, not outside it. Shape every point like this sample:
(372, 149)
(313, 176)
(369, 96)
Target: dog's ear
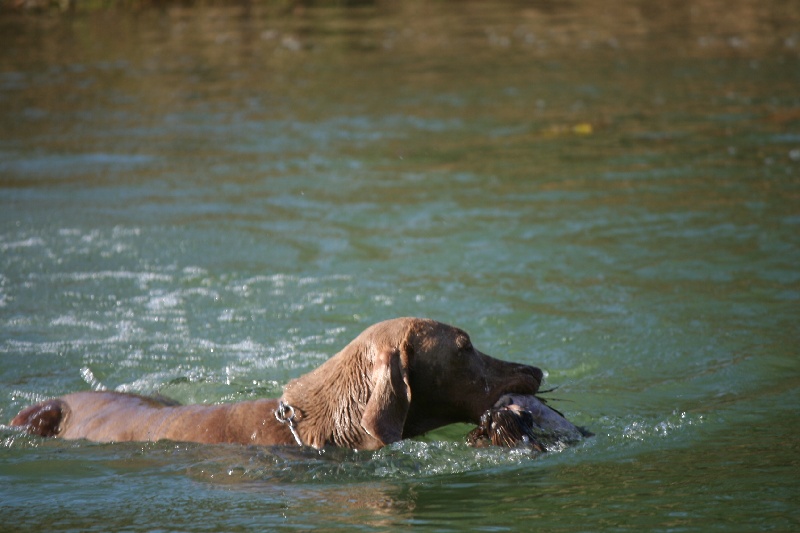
(390, 397)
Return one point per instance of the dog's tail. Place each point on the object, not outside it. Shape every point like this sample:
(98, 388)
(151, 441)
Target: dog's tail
(42, 419)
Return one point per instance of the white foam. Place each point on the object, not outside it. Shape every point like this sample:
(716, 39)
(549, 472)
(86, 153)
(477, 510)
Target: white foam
(25, 243)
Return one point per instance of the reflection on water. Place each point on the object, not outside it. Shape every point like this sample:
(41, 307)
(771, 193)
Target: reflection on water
(208, 200)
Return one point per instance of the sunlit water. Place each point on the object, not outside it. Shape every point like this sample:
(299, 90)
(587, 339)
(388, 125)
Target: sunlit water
(209, 201)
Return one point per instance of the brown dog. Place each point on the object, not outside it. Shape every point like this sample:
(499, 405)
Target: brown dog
(398, 379)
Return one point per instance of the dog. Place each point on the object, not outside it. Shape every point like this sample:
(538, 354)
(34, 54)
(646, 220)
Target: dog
(398, 379)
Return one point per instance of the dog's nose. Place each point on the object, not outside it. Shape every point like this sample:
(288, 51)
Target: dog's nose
(538, 374)
(534, 372)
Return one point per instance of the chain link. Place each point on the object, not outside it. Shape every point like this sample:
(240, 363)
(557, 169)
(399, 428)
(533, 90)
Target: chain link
(285, 415)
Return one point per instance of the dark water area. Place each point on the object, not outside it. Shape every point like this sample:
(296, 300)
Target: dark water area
(209, 199)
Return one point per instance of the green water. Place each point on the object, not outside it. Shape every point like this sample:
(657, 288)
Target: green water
(207, 201)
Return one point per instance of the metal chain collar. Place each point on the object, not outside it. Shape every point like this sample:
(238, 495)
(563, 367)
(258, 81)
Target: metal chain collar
(285, 415)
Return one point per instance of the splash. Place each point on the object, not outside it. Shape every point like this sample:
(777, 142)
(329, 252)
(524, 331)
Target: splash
(410, 459)
(645, 430)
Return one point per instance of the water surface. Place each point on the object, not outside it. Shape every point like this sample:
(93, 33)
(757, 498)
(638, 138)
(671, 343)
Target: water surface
(207, 201)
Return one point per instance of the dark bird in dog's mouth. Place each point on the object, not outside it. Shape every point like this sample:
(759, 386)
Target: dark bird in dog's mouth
(518, 420)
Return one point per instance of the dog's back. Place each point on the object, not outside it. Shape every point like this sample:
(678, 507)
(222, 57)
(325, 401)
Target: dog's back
(117, 417)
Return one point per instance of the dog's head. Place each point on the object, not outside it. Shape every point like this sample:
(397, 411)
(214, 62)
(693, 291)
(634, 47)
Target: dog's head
(399, 379)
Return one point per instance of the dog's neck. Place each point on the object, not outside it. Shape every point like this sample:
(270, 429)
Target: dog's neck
(328, 402)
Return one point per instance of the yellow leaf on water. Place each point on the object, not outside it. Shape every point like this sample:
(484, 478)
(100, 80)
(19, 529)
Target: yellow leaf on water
(584, 128)
(581, 128)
